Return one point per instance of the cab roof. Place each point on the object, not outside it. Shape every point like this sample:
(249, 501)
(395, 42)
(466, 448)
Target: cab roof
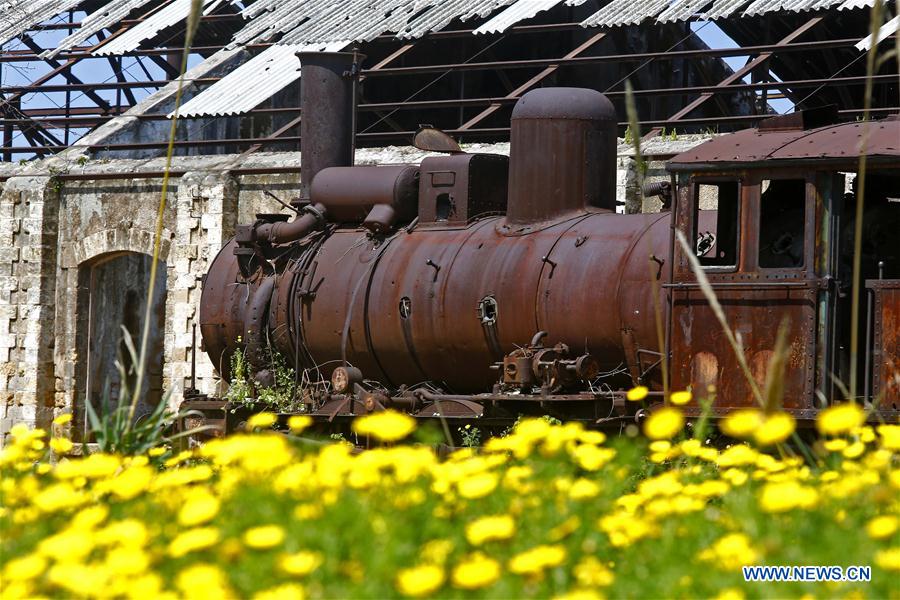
(797, 138)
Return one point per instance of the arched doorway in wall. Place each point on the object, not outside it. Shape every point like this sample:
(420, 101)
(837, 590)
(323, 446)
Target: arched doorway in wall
(112, 295)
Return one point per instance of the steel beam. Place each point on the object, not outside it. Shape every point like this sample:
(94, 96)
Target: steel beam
(531, 82)
(782, 44)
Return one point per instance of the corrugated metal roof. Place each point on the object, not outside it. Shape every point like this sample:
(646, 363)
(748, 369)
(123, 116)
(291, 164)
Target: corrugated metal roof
(521, 10)
(630, 12)
(103, 18)
(885, 30)
(18, 16)
(681, 11)
(760, 7)
(625, 12)
(253, 82)
(147, 29)
(851, 4)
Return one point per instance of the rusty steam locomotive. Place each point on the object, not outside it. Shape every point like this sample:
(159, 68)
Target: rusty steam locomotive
(481, 286)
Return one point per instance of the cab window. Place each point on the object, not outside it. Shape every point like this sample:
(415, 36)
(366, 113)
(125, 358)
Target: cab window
(782, 221)
(717, 222)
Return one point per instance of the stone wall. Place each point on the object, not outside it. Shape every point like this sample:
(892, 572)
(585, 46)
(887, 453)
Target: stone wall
(51, 227)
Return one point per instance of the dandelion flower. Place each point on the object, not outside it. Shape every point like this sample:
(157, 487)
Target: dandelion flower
(533, 562)
(200, 507)
(63, 419)
(298, 423)
(741, 423)
(192, 540)
(287, 591)
(636, 394)
(386, 425)
(889, 559)
(840, 419)
(775, 429)
(487, 529)
(476, 571)
(262, 420)
(590, 572)
(203, 578)
(731, 552)
(680, 398)
(882, 527)
(420, 581)
(783, 496)
(25, 568)
(300, 563)
(477, 486)
(264, 536)
(61, 445)
(890, 436)
(664, 423)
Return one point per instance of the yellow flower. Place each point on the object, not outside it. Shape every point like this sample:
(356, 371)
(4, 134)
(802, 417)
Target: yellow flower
(262, 420)
(582, 489)
(636, 394)
(487, 529)
(680, 398)
(889, 559)
(890, 436)
(775, 428)
(63, 419)
(664, 423)
(580, 594)
(835, 445)
(787, 495)
(298, 423)
(264, 536)
(741, 423)
(477, 486)
(476, 571)
(731, 552)
(25, 568)
(193, 540)
(854, 450)
(129, 532)
(158, 451)
(386, 425)
(200, 507)
(730, 594)
(419, 581)
(300, 563)
(592, 458)
(590, 572)
(436, 551)
(287, 591)
(203, 581)
(882, 527)
(533, 562)
(840, 419)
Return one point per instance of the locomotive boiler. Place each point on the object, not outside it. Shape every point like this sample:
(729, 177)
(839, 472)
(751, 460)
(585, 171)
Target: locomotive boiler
(481, 286)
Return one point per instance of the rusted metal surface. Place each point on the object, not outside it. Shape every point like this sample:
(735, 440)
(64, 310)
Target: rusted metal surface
(886, 343)
(830, 143)
(455, 296)
(559, 139)
(328, 98)
(349, 193)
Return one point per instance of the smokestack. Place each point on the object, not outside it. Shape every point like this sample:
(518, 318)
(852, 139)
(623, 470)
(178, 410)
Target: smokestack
(562, 154)
(328, 105)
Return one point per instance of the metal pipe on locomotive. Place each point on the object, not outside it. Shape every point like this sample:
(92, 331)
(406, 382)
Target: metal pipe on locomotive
(511, 285)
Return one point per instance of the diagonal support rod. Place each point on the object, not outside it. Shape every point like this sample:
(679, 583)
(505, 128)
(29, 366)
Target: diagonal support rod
(739, 74)
(531, 82)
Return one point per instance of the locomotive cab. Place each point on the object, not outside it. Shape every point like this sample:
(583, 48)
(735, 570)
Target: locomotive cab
(770, 214)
